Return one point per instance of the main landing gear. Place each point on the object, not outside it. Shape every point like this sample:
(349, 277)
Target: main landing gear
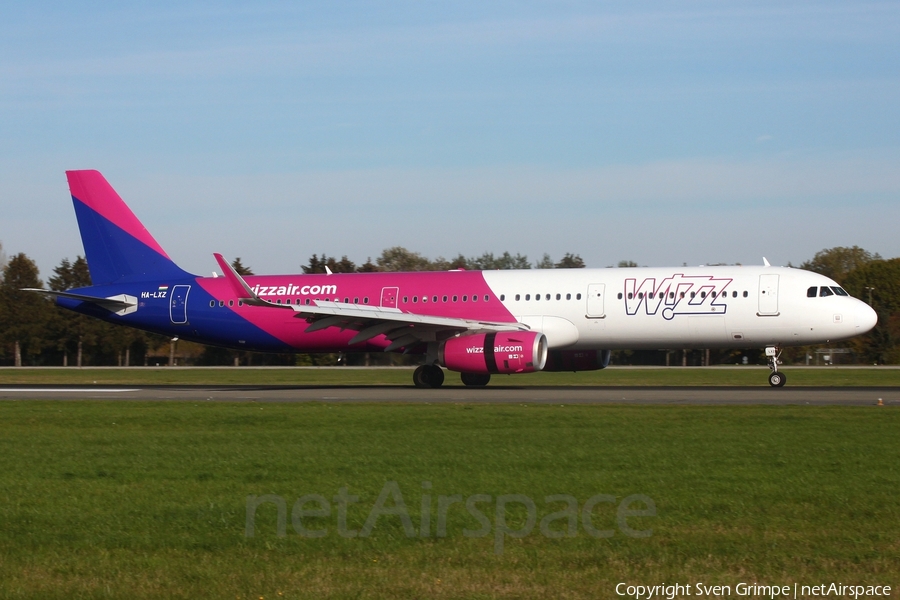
(776, 378)
(432, 376)
(475, 379)
(428, 376)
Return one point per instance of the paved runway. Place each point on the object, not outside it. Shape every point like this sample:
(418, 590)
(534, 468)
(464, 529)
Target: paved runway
(859, 396)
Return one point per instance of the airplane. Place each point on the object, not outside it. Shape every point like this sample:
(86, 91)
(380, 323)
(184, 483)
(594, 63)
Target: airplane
(477, 323)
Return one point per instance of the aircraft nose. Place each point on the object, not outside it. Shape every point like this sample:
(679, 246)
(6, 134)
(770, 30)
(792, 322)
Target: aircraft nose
(866, 318)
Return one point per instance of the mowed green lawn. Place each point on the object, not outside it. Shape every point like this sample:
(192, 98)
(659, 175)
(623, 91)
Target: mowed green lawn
(149, 500)
(616, 376)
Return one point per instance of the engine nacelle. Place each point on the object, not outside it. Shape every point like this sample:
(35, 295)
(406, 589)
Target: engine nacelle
(577, 360)
(500, 352)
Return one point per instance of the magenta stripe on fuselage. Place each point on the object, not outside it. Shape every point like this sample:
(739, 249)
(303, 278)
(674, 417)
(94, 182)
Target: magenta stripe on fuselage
(91, 189)
(356, 288)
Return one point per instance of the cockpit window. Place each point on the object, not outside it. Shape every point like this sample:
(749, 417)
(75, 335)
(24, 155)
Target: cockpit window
(812, 292)
(839, 291)
(825, 291)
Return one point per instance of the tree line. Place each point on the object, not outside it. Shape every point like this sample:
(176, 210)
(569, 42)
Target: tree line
(33, 331)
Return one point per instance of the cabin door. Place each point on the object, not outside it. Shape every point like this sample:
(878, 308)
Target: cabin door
(178, 304)
(595, 293)
(389, 297)
(768, 296)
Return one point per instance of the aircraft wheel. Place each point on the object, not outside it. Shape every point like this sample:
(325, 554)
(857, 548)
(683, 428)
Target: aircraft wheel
(435, 376)
(475, 379)
(421, 377)
(777, 379)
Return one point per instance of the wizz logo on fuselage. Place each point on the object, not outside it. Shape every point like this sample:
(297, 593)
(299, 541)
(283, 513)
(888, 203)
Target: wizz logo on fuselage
(677, 295)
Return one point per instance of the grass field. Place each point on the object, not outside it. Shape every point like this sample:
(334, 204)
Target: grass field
(613, 376)
(149, 500)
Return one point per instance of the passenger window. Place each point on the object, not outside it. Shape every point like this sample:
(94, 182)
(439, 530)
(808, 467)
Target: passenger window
(347, 300)
(486, 297)
(569, 296)
(434, 298)
(578, 296)
(355, 300)
(466, 298)
(620, 295)
(212, 303)
(366, 300)
(824, 291)
(734, 294)
(559, 297)
(746, 294)
(502, 297)
(405, 299)
(703, 294)
(443, 298)
(811, 292)
(231, 303)
(547, 297)
(537, 297)
(415, 299)
(455, 298)
(517, 297)
(630, 295)
(240, 302)
(527, 297)
(475, 298)
(693, 294)
(222, 303)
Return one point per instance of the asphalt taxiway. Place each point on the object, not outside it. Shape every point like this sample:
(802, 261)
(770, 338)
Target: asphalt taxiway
(838, 396)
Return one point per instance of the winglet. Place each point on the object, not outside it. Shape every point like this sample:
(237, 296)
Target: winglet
(240, 287)
(766, 262)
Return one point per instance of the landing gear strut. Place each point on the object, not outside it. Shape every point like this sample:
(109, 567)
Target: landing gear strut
(776, 378)
(428, 376)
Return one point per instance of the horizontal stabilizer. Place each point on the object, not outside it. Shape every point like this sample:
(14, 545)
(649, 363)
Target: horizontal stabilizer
(122, 304)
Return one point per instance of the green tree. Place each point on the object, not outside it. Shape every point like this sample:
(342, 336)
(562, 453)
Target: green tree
(318, 265)
(398, 258)
(839, 261)
(488, 262)
(72, 331)
(570, 261)
(545, 263)
(878, 282)
(627, 264)
(367, 267)
(240, 269)
(25, 314)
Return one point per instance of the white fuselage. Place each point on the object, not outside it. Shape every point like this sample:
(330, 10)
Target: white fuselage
(688, 307)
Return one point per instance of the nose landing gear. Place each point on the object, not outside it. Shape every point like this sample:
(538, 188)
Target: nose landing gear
(776, 378)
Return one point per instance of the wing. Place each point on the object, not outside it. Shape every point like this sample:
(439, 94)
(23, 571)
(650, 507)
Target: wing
(403, 329)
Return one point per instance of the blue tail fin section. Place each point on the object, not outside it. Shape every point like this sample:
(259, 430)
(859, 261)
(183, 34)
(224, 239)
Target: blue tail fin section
(118, 248)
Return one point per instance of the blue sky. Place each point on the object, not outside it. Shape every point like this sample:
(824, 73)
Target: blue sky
(663, 133)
